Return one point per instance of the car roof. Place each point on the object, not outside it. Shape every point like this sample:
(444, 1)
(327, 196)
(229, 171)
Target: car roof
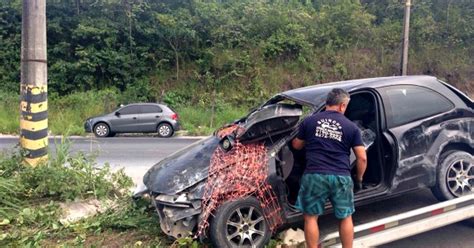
(316, 94)
(163, 106)
(143, 103)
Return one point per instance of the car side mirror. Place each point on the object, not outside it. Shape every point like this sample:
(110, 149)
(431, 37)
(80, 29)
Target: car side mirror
(117, 113)
(227, 143)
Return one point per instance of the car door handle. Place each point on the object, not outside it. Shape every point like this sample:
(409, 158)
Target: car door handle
(134, 118)
(157, 116)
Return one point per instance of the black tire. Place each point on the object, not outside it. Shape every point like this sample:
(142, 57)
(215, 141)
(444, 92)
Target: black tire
(165, 130)
(224, 234)
(454, 175)
(468, 222)
(101, 130)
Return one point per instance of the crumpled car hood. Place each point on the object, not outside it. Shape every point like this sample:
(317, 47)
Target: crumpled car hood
(182, 169)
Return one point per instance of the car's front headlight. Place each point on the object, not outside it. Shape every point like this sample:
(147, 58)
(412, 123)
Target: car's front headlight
(227, 143)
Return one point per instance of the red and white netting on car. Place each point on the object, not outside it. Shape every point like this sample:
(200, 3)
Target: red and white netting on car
(236, 174)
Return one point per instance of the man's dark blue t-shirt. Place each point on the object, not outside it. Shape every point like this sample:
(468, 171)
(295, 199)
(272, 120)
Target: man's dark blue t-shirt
(329, 137)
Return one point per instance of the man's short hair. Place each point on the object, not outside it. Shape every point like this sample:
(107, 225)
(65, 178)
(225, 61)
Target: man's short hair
(337, 96)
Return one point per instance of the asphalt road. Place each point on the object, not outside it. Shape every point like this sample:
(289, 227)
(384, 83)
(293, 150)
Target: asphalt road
(137, 154)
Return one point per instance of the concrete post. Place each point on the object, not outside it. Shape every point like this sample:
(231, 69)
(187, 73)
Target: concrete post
(406, 30)
(33, 85)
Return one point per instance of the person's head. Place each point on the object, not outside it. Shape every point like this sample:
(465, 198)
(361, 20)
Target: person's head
(337, 100)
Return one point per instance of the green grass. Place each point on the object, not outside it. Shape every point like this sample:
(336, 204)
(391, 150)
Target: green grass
(67, 114)
(197, 120)
(9, 113)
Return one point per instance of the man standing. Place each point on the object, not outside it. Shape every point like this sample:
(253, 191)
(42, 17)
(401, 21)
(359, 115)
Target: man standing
(328, 137)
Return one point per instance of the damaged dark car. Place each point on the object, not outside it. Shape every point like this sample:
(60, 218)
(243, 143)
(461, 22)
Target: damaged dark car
(418, 132)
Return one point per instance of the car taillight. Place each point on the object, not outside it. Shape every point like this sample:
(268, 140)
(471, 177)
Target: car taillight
(174, 117)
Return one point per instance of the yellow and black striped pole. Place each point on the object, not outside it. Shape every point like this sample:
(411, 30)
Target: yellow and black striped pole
(33, 90)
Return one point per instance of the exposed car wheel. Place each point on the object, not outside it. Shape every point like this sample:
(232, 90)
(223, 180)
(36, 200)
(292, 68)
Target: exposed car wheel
(455, 176)
(239, 223)
(165, 130)
(101, 130)
(468, 222)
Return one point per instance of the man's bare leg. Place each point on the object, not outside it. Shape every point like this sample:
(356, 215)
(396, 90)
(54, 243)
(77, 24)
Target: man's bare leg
(346, 232)
(311, 230)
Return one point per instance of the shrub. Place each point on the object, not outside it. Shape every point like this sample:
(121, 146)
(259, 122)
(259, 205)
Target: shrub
(29, 197)
(64, 177)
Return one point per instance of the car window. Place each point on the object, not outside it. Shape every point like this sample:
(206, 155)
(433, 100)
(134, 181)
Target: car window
(405, 103)
(151, 109)
(128, 110)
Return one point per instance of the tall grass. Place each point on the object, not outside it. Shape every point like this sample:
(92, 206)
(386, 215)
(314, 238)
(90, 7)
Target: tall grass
(9, 113)
(67, 114)
(10, 203)
(197, 120)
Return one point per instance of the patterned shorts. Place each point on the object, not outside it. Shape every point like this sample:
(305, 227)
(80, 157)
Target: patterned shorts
(317, 188)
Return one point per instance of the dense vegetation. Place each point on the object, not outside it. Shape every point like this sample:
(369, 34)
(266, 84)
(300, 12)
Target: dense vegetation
(214, 55)
(30, 200)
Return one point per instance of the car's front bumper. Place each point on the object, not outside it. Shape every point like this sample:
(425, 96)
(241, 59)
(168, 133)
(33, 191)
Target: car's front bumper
(177, 220)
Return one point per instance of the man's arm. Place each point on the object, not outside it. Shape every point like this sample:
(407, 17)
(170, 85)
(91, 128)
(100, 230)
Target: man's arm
(298, 144)
(361, 157)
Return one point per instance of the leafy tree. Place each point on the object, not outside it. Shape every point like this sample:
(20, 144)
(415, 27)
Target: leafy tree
(148, 47)
(10, 40)
(176, 29)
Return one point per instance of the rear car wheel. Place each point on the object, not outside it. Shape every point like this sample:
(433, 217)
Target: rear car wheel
(239, 223)
(101, 130)
(165, 130)
(455, 176)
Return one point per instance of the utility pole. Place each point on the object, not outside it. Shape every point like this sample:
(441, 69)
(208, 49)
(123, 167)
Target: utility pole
(33, 85)
(406, 30)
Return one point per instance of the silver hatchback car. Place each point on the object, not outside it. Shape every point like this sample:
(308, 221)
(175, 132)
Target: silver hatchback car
(135, 118)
